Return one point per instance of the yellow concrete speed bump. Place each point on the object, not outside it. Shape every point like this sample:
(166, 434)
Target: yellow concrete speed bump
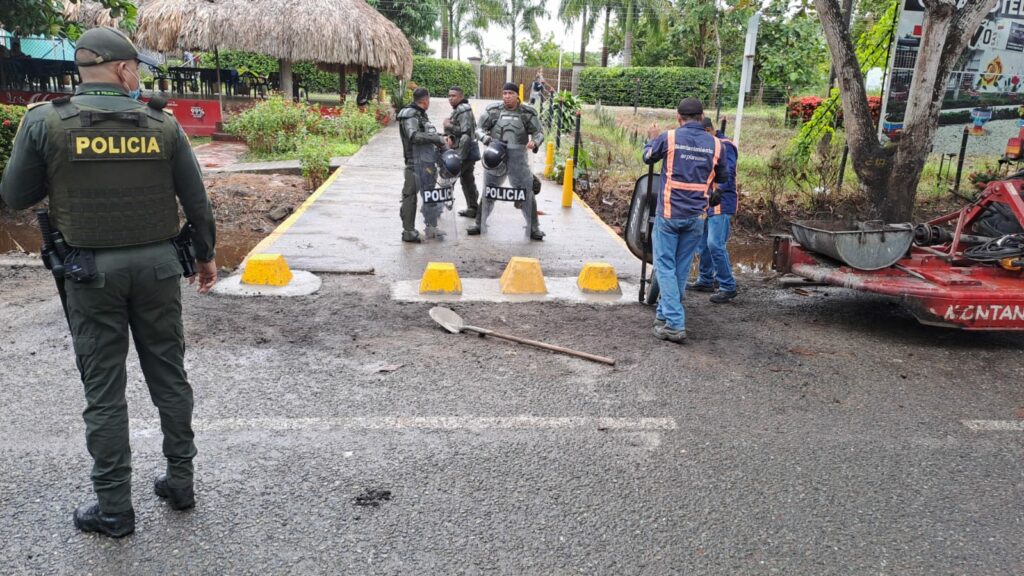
(598, 277)
(440, 278)
(266, 270)
(523, 276)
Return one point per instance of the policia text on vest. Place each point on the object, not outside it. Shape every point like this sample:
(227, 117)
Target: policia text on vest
(110, 145)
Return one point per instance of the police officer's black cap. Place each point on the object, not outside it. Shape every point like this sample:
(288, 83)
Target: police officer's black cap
(109, 45)
(509, 86)
(690, 107)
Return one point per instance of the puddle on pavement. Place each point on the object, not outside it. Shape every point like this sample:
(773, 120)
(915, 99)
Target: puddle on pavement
(751, 258)
(231, 247)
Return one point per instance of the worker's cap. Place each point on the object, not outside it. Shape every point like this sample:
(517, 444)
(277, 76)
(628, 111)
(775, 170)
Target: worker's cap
(509, 86)
(708, 124)
(110, 45)
(690, 107)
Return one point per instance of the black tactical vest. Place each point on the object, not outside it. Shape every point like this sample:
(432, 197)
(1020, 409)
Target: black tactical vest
(110, 175)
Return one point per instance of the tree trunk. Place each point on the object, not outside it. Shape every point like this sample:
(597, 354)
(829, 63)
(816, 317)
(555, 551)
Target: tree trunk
(583, 36)
(285, 67)
(604, 42)
(718, 62)
(451, 27)
(445, 30)
(627, 44)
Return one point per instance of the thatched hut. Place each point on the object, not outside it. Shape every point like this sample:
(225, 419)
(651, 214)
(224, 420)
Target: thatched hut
(345, 32)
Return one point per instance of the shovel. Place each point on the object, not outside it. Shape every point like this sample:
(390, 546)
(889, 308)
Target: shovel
(453, 323)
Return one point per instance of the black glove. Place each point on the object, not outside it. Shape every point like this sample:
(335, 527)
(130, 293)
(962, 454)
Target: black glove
(716, 198)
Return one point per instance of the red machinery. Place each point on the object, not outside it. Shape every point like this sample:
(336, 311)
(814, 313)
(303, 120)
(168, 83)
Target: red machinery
(950, 276)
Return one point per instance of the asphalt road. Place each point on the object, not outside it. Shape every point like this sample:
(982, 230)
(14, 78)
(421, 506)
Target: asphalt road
(343, 433)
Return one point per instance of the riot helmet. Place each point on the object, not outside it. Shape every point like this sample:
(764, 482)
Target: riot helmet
(495, 154)
(450, 164)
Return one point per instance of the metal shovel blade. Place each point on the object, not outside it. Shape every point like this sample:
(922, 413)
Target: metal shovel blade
(447, 318)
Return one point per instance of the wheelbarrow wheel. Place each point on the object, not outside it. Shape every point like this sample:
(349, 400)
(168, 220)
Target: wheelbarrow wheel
(653, 290)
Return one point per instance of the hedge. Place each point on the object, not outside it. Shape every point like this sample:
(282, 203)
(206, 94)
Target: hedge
(659, 87)
(439, 75)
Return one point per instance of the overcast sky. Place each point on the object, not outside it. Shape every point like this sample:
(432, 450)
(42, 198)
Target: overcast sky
(569, 40)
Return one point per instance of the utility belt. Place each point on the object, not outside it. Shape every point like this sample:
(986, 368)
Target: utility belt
(79, 264)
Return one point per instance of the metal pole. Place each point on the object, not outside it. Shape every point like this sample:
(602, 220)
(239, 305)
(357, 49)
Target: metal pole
(636, 96)
(576, 144)
(960, 162)
(220, 87)
(842, 169)
(558, 133)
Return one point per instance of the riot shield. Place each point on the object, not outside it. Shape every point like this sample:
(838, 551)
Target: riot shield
(435, 192)
(511, 182)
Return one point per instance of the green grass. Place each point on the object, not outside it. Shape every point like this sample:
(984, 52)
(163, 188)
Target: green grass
(336, 147)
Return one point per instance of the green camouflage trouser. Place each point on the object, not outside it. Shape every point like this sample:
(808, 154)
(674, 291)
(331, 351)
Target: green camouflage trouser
(136, 288)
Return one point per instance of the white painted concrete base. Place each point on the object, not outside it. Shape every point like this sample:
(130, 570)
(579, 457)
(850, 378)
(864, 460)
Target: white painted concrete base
(488, 290)
(303, 284)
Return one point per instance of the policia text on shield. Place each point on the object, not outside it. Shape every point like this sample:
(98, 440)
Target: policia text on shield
(114, 171)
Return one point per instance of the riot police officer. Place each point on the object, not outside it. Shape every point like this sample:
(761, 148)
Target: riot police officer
(518, 127)
(420, 147)
(114, 170)
(460, 128)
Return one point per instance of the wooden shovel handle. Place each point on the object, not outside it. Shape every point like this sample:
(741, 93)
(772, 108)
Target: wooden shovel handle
(551, 347)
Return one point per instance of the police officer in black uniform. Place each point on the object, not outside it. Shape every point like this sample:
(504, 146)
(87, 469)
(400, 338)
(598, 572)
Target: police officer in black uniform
(115, 170)
(460, 128)
(421, 146)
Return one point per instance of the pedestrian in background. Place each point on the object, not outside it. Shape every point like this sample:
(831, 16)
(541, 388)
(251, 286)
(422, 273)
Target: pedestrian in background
(715, 265)
(114, 171)
(693, 161)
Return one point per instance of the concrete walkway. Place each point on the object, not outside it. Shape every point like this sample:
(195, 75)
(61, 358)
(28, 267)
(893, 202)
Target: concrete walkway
(351, 225)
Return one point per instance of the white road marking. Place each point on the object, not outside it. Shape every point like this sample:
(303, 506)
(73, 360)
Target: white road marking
(994, 425)
(152, 427)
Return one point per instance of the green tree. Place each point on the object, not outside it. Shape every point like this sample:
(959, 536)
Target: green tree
(517, 16)
(791, 48)
(584, 12)
(417, 20)
(47, 16)
(629, 12)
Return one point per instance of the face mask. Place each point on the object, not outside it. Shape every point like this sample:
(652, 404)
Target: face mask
(137, 93)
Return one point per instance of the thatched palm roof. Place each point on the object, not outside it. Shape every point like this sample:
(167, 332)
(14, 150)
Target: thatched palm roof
(90, 14)
(346, 32)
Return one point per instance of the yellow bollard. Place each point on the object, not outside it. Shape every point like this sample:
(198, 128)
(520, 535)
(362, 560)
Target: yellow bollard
(598, 278)
(549, 160)
(440, 278)
(266, 270)
(520, 92)
(567, 184)
(523, 276)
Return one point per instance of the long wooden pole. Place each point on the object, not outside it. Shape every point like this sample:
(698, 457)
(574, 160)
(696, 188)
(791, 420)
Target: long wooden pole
(543, 345)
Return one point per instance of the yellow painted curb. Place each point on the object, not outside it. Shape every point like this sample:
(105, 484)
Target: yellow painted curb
(602, 223)
(523, 276)
(598, 277)
(440, 278)
(267, 270)
(291, 220)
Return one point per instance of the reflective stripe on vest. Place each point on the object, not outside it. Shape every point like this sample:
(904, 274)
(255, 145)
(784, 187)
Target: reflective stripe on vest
(671, 184)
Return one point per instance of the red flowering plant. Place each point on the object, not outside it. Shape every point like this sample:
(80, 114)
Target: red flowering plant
(10, 117)
(802, 108)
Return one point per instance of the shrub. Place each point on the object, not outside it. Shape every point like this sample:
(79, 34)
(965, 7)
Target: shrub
(801, 109)
(439, 75)
(658, 87)
(315, 160)
(10, 117)
(352, 125)
(275, 125)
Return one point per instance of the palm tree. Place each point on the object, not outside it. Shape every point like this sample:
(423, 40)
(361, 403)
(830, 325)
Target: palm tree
(466, 24)
(585, 12)
(519, 16)
(630, 11)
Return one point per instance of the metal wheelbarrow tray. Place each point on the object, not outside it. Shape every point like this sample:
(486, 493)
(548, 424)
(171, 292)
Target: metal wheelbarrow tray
(861, 245)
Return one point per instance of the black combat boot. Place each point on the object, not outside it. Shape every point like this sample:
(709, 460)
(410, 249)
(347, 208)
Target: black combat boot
(178, 498)
(89, 518)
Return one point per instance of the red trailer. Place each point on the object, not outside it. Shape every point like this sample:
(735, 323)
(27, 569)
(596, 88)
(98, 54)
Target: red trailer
(962, 270)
